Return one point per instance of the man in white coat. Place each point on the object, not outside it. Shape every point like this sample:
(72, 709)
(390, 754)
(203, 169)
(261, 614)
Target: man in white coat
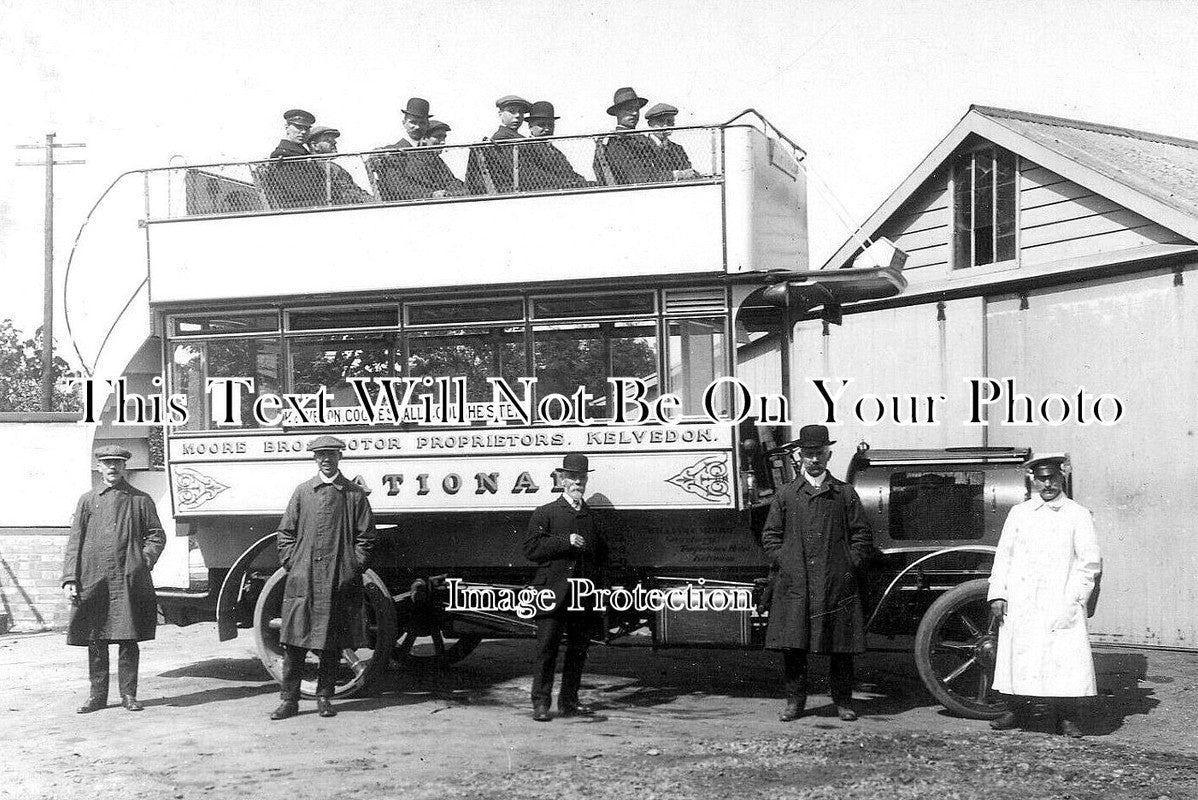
(1043, 574)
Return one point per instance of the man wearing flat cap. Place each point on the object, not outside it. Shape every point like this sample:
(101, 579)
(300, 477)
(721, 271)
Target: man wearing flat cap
(115, 540)
(325, 539)
(815, 537)
(491, 168)
(672, 161)
(542, 165)
(340, 187)
(293, 182)
(627, 157)
(565, 541)
(389, 169)
(425, 173)
(1044, 573)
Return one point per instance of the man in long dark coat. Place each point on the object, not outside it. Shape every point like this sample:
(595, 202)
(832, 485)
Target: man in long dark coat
(293, 181)
(424, 173)
(816, 536)
(491, 168)
(673, 163)
(627, 157)
(325, 538)
(566, 542)
(542, 165)
(115, 540)
(389, 167)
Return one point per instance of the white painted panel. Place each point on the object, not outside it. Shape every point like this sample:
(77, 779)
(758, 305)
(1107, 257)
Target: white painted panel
(1134, 337)
(665, 230)
(766, 204)
(48, 468)
(900, 351)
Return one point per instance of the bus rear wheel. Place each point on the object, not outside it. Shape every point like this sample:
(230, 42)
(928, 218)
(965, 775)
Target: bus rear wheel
(358, 666)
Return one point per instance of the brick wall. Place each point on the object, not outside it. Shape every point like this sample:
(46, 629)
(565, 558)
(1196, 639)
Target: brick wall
(30, 578)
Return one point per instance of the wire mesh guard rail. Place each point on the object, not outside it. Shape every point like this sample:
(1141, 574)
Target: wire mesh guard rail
(421, 174)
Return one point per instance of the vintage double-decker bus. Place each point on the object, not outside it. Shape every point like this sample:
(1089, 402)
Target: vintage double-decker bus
(285, 299)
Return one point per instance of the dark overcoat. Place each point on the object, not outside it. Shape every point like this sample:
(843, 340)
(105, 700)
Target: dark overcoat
(293, 180)
(670, 157)
(418, 174)
(490, 166)
(325, 538)
(115, 540)
(816, 538)
(543, 166)
(630, 158)
(548, 545)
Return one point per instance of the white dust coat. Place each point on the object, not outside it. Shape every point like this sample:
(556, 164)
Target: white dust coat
(1045, 568)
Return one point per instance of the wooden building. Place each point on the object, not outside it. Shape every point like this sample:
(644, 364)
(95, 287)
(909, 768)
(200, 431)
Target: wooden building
(1060, 255)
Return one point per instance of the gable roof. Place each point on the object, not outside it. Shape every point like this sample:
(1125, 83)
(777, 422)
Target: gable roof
(1152, 174)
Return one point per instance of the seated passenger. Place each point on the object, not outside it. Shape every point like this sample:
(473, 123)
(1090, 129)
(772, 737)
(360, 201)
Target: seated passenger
(340, 187)
(541, 165)
(490, 168)
(628, 157)
(425, 173)
(672, 162)
(388, 169)
(295, 182)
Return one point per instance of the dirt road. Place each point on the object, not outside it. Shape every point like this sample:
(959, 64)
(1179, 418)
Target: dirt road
(672, 723)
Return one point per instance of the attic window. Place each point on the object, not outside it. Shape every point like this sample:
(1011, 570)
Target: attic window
(983, 207)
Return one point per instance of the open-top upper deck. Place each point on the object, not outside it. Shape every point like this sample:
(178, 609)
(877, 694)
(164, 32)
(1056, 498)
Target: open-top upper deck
(505, 213)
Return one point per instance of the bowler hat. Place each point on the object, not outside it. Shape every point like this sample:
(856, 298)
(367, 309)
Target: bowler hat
(112, 451)
(574, 462)
(297, 116)
(322, 130)
(1047, 464)
(542, 109)
(813, 436)
(660, 110)
(436, 126)
(624, 95)
(326, 443)
(513, 100)
(417, 107)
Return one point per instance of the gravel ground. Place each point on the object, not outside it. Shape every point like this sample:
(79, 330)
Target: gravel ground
(672, 724)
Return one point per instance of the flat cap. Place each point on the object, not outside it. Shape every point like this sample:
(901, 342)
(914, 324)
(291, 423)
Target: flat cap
(660, 109)
(112, 451)
(436, 126)
(297, 116)
(1047, 464)
(542, 109)
(322, 130)
(326, 443)
(513, 100)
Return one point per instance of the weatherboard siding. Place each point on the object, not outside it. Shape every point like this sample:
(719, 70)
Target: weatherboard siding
(922, 229)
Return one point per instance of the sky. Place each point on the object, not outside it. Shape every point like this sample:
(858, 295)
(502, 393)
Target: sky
(867, 88)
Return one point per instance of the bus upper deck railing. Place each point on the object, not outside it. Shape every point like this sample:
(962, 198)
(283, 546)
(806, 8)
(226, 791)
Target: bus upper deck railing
(560, 164)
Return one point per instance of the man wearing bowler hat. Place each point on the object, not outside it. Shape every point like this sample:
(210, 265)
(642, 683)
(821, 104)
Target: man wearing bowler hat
(293, 182)
(390, 167)
(1044, 573)
(115, 540)
(325, 538)
(425, 174)
(566, 542)
(627, 157)
(815, 537)
(542, 165)
(491, 168)
(672, 161)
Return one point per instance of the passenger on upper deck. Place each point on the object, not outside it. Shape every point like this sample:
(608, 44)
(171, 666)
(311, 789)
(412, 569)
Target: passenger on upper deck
(388, 169)
(491, 169)
(295, 182)
(672, 161)
(543, 166)
(628, 157)
(425, 173)
(340, 187)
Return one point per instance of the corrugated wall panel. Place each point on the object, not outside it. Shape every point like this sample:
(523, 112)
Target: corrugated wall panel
(1134, 337)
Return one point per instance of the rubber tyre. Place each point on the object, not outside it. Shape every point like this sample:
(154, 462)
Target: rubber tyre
(954, 652)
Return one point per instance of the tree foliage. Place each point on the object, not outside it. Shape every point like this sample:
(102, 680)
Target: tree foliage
(21, 373)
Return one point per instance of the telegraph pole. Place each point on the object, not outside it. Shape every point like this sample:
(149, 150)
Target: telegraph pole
(48, 300)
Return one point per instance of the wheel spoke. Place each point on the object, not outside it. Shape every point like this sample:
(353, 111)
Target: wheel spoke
(956, 673)
(438, 643)
(955, 646)
(405, 644)
(969, 623)
(983, 685)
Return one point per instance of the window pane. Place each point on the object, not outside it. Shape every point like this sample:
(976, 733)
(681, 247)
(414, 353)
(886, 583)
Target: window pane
(697, 355)
(570, 356)
(983, 207)
(458, 312)
(474, 354)
(1005, 212)
(593, 306)
(253, 322)
(331, 361)
(243, 358)
(387, 317)
(963, 212)
(187, 379)
(936, 505)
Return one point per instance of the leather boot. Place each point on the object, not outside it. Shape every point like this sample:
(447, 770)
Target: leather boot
(288, 708)
(846, 712)
(92, 704)
(794, 708)
(130, 703)
(1006, 722)
(540, 711)
(324, 707)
